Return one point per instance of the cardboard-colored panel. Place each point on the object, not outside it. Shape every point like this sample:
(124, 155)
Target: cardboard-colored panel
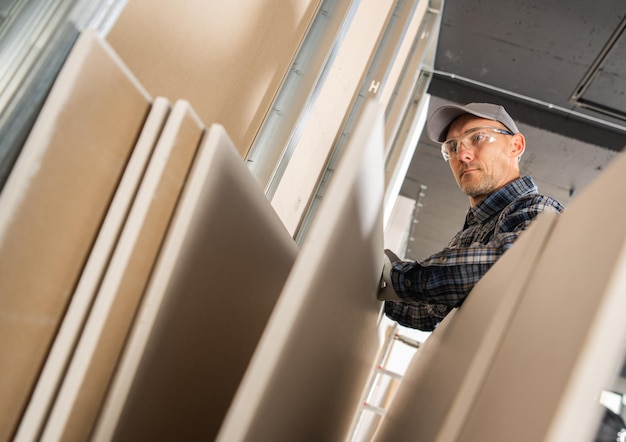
(566, 341)
(97, 353)
(53, 204)
(222, 267)
(445, 374)
(227, 58)
(309, 371)
(92, 274)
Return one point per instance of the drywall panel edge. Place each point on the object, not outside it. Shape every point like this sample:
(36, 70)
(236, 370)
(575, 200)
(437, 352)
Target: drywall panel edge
(91, 276)
(53, 204)
(329, 111)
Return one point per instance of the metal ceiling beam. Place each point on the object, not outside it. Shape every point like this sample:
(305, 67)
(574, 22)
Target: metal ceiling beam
(530, 111)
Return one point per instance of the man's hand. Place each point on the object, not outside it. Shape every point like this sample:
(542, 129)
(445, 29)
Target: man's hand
(385, 288)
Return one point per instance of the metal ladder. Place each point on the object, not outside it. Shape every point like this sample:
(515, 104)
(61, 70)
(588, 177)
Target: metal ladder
(375, 398)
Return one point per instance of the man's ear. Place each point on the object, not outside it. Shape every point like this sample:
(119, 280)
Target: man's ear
(518, 145)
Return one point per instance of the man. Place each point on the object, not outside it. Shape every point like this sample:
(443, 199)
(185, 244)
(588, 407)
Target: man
(483, 146)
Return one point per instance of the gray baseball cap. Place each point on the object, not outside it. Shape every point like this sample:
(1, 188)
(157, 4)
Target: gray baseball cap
(440, 121)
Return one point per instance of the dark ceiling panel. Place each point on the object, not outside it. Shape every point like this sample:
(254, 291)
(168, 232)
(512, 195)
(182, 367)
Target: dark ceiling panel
(604, 86)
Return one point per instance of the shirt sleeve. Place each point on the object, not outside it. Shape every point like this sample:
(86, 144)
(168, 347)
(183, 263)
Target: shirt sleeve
(423, 317)
(446, 278)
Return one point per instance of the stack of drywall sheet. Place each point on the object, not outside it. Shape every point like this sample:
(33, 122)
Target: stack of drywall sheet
(200, 312)
(125, 278)
(537, 340)
(168, 261)
(566, 342)
(201, 349)
(53, 205)
(91, 277)
(216, 282)
(308, 374)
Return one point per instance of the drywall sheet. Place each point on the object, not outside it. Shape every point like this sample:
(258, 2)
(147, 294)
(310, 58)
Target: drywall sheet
(311, 367)
(227, 58)
(220, 272)
(96, 355)
(53, 204)
(445, 373)
(566, 341)
(92, 274)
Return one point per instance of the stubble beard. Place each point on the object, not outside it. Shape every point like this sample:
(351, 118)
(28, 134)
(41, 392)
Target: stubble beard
(484, 186)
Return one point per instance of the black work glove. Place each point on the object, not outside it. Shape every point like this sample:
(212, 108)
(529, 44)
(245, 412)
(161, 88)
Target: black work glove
(385, 288)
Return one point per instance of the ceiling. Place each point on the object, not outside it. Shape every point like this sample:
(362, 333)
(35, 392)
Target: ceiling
(534, 56)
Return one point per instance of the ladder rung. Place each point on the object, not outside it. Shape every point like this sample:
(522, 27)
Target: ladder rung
(391, 374)
(374, 408)
(408, 341)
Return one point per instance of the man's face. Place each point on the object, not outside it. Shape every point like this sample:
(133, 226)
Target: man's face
(479, 172)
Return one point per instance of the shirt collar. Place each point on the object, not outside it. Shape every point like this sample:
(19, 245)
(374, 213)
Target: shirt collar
(499, 199)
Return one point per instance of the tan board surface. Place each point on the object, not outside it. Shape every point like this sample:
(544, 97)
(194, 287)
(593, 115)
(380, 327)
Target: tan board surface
(92, 274)
(566, 341)
(221, 269)
(53, 204)
(227, 58)
(91, 368)
(310, 369)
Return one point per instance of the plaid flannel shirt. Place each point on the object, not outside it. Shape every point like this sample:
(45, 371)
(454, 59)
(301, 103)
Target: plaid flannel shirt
(434, 286)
